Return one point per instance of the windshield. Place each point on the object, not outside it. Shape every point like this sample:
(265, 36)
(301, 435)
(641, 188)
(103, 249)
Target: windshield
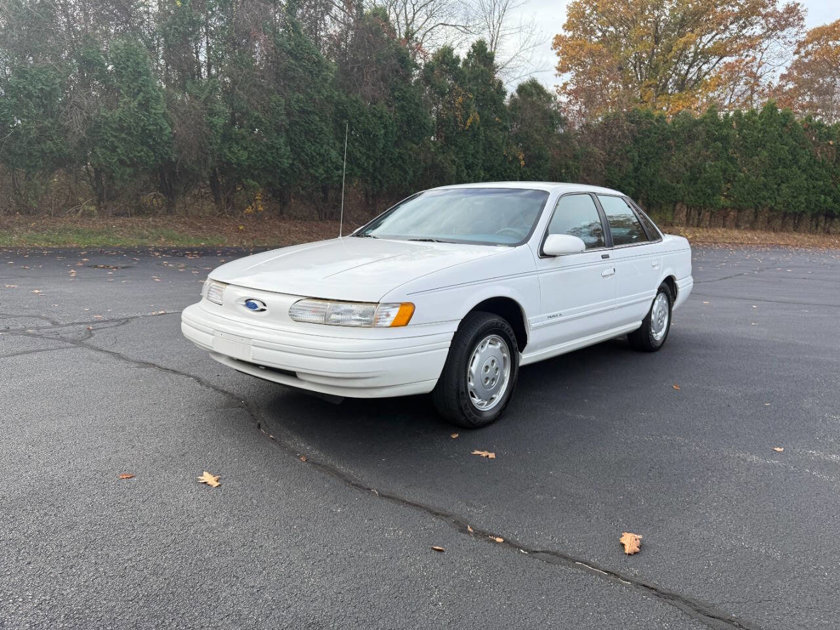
(487, 216)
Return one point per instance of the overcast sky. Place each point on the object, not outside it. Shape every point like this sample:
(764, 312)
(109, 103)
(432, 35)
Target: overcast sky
(551, 14)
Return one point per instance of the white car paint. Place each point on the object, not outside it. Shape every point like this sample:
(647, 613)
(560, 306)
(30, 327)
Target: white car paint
(567, 302)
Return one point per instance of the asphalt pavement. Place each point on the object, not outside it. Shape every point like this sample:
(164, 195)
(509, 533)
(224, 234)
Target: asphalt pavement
(722, 451)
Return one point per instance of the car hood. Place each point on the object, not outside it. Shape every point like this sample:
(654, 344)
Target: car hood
(351, 268)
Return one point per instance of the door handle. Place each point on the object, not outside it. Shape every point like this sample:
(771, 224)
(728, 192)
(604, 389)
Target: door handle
(606, 273)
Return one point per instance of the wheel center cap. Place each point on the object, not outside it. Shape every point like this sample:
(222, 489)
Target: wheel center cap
(489, 373)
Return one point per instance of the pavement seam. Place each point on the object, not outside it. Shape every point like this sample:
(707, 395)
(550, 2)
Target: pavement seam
(698, 610)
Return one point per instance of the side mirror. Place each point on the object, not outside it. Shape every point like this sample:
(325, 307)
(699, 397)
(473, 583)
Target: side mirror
(560, 244)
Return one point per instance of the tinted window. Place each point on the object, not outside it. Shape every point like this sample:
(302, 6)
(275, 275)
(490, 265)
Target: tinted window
(578, 216)
(624, 225)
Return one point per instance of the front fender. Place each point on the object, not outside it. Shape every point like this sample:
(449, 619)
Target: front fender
(448, 297)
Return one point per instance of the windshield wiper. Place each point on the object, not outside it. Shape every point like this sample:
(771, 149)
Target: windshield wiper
(364, 235)
(426, 240)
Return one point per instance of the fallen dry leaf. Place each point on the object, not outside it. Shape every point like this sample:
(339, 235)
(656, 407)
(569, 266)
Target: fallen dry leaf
(779, 449)
(485, 454)
(498, 539)
(469, 529)
(302, 458)
(126, 476)
(210, 480)
(631, 542)
(677, 387)
(454, 435)
(438, 549)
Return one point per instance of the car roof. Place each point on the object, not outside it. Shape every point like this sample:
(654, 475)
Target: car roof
(561, 187)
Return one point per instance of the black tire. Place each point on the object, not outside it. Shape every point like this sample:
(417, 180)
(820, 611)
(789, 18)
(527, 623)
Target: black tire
(650, 337)
(451, 395)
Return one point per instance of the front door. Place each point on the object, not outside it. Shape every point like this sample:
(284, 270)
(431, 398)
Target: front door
(577, 290)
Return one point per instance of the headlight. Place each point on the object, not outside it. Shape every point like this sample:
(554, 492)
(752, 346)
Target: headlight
(213, 291)
(363, 314)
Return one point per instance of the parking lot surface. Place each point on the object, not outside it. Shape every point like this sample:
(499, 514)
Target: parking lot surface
(722, 451)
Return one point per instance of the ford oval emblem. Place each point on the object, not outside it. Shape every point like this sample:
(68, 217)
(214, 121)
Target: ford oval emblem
(258, 306)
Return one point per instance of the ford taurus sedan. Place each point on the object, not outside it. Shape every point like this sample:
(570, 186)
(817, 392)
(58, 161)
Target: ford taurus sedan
(449, 292)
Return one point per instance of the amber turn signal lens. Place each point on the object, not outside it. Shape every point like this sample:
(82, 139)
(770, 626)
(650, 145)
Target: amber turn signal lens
(403, 315)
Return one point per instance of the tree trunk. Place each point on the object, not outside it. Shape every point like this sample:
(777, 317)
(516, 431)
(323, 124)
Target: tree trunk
(216, 189)
(166, 178)
(745, 219)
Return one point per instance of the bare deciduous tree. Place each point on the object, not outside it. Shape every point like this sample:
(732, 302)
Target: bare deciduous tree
(429, 24)
(512, 39)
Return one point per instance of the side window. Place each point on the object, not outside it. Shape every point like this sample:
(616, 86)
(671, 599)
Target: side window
(650, 227)
(624, 226)
(578, 216)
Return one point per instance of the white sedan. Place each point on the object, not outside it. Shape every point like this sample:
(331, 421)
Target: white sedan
(448, 292)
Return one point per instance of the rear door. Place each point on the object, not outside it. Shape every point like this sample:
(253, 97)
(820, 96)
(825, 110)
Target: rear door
(637, 258)
(577, 290)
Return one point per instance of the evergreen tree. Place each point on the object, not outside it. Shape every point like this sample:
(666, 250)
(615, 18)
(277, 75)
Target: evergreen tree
(536, 130)
(130, 136)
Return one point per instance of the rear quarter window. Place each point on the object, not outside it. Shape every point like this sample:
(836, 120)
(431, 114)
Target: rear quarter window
(624, 224)
(653, 232)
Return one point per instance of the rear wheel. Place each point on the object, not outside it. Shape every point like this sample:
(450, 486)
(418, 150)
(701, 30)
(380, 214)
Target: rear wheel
(480, 372)
(656, 326)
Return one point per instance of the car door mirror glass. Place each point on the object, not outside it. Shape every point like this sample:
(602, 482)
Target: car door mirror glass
(562, 244)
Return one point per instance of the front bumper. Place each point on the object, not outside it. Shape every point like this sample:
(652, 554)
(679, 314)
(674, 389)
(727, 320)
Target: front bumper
(327, 361)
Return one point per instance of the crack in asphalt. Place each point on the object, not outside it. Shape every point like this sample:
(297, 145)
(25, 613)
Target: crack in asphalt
(750, 299)
(698, 610)
(734, 275)
(53, 322)
(57, 324)
(35, 351)
(740, 274)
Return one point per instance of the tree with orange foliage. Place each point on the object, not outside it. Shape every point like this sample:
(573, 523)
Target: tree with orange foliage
(671, 55)
(811, 85)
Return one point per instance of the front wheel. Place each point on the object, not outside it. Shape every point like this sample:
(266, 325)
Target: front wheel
(480, 372)
(656, 326)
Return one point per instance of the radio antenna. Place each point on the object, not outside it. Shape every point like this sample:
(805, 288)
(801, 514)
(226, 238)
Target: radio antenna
(343, 175)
